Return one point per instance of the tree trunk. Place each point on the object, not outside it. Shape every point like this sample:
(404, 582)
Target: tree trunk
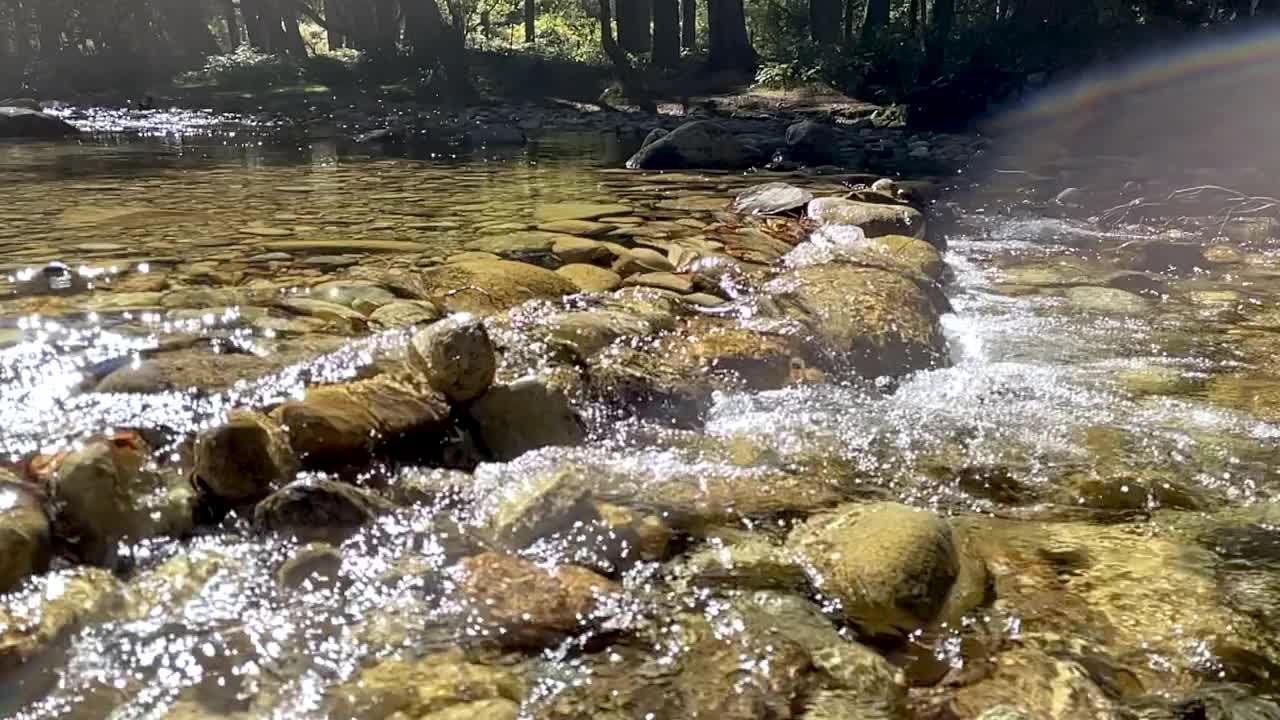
(633, 25)
(666, 33)
(262, 25)
(824, 21)
(633, 84)
(847, 35)
(332, 17)
(530, 15)
(233, 24)
(286, 26)
(913, 18)
(689, 24)
(875, 21)
(437, 43)
(944, 13)
(730, 49)
(49, 19)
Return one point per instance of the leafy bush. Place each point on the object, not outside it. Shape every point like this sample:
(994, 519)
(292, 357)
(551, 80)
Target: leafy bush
(245, 69)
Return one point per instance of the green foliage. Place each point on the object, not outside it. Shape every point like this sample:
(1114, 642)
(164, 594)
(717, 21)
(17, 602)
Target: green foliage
(247, 69)
(814, 64)
(244, 69)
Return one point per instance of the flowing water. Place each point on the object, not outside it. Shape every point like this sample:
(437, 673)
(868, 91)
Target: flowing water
(1140, 427)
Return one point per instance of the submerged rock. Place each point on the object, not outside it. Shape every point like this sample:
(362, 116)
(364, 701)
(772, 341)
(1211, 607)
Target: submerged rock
(873, 321)
(319, 509)
(525, 415)
(525, 606)
(890, 567)
(438, 687)
(105, 493)
(38, 617)
(488, 286)
(549, 503)
(771, 199)
(25, 537)
(591, 279)
(19, 122)
(243, 459)
(402, 313)
(697, 144)
(875, 219)
(456, 357)
(340, 423)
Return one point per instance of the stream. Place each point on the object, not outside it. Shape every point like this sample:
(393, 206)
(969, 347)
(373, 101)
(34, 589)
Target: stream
(1106, 434)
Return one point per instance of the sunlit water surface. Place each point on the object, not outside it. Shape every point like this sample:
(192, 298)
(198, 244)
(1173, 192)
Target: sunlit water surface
(1061, 393)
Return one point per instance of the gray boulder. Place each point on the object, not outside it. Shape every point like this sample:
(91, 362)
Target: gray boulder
(811, 143)
(698, 144)
(20, 122)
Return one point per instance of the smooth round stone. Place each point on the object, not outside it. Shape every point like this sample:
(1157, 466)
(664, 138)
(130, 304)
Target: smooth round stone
(663, 281)
(704, 300)
(583, 228)
(1106, 300)
(590, 278)
(578, 211)
(265, 231)
(580, 250)
(696, 203)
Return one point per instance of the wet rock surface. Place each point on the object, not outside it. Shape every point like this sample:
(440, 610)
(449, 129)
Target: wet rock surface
(362, 435)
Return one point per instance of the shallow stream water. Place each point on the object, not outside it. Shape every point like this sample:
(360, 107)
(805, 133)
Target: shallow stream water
(1141, 425)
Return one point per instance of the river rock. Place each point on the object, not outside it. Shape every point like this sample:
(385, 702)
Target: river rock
(557, 212)
(333, 423)
(403, 313)
(591, 279)
(642, 260)
(771, 199)
(46, 612)
(548, 503)
(525, 606)
(580, 228)
(811, 143)
(25, 539)
(360, 296)
(319, 509)
(26, 103)
(184, 369)
(1028, 683)
(487, 287)
(525, 415)
(875, 219)
(681, 284)
(243, 459)
(17, 122)
(889, 566)
(105, 493)
(312, 565)
(438, 687)
(456, 357)
(1107, 301)
(573, 250)
(697, 144)
(865, 319)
